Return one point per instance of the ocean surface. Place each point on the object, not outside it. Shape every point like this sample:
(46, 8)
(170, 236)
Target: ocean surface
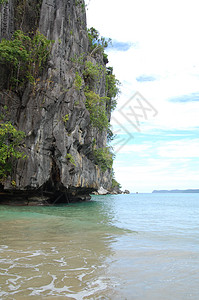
(134, 247)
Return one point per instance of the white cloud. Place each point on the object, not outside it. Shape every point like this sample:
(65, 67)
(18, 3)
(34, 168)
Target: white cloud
(156, 173)
(180, 149)
(167, 48)
(161, 150)
(159, 165)
(135, 148)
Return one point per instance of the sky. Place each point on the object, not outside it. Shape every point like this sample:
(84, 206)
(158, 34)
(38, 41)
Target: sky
(155, 56)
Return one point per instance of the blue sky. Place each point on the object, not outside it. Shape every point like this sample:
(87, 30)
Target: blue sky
(156, 53)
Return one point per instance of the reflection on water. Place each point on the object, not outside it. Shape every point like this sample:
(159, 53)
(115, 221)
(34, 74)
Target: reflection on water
(130, 247)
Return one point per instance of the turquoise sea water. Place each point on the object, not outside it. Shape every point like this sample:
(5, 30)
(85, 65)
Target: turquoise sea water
(137, 246)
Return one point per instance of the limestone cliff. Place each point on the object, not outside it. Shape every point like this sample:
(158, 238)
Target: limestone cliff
(39, 109)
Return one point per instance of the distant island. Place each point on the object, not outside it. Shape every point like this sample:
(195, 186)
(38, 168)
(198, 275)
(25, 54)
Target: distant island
(177, 191)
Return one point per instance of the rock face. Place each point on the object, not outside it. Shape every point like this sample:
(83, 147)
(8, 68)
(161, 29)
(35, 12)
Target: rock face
(102, 191)
(39, 110)
(126, 192)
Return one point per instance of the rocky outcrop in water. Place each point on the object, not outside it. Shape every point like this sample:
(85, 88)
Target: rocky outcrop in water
(60, 164)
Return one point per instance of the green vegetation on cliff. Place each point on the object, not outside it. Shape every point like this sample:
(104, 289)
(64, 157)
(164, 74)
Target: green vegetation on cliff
(103, 158)
(99, 107)
(3, 1)
(112, 89)
(24, 58)
(10, 148)
(95, 105)
(96, 42)
(115, 184)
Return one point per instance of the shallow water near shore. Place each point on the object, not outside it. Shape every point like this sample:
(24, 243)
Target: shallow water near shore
(137, 246)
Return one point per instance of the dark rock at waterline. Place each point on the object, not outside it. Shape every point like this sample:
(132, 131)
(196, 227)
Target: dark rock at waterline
(32, 198)
(113, 191)
(126, 192)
